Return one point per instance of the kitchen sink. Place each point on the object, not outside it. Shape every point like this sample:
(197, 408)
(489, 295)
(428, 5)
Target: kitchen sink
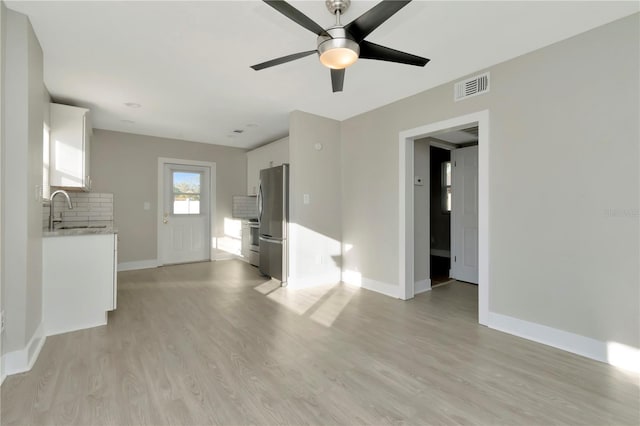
(82, 227)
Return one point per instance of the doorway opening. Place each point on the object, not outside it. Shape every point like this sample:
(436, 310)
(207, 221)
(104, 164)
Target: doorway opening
(186, 210)
(446, 206)
(440, 173)
(419, 141)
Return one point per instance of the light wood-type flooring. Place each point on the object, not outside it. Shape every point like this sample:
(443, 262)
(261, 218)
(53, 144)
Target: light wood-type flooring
(214, 343)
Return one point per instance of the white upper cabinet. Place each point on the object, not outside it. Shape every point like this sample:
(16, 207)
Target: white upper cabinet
(270, 155)
(70, 143)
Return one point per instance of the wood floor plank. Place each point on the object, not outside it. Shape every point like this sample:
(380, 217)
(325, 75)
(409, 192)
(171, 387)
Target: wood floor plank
(217, 344)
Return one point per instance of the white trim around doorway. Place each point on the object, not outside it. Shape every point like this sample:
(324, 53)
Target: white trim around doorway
(406, 203)
(212, 201)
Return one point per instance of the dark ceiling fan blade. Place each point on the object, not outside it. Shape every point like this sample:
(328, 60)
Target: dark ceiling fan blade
(363, 25)
(282, 60)
(370, 50)
(337, 80)
(296, 16)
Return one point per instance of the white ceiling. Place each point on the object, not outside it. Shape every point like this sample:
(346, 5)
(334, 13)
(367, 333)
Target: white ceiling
(187, 63)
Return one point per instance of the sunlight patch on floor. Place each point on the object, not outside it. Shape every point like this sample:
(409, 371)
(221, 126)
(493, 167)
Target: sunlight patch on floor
(623, 356)
(268, 286)
(321, 303)
(299, 300)
(331, 308)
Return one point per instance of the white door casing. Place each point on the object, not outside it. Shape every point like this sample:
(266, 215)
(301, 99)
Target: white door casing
(464, 214)
(185, 226)
(406, 202)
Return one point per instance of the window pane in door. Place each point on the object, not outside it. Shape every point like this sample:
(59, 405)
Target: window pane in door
(446, 186)
(447, 173)
(186, 204)
(186, 182)
(186, 192)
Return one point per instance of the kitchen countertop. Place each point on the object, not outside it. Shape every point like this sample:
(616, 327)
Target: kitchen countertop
(81, 228)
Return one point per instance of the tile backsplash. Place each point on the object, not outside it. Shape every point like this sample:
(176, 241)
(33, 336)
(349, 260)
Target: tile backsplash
(244, 207)
(87, 207)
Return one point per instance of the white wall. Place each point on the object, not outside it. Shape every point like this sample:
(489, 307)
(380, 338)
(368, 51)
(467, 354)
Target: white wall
(22, 179)
(46, 117)
(2, 192)
(315, 231)
(564, 183)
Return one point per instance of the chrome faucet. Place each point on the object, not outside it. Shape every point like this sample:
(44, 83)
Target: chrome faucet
(59, 191)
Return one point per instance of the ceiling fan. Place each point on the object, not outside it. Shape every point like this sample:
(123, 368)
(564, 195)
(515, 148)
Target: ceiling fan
(341, 45)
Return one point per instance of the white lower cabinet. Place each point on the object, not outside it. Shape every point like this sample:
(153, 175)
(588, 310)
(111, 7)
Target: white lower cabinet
(79, 281)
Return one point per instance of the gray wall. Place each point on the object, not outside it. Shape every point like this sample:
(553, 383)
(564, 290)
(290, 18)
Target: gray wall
(316, 235)
(127, 166)
(564, 227)
(22, 179)
(421, 212)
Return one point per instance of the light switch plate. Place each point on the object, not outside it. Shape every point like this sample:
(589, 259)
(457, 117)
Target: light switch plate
(147, 205)
(306, 199)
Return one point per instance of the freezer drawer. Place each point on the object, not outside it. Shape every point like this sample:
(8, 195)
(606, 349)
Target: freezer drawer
(273, 258)
(254, 258)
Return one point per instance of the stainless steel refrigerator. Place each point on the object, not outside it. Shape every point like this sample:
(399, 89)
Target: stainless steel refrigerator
(273, 214)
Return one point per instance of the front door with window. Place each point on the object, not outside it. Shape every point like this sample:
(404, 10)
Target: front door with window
(185, 218)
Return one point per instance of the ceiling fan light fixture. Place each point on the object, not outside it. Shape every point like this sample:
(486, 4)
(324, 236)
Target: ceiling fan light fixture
(338, 53)
(338, 58)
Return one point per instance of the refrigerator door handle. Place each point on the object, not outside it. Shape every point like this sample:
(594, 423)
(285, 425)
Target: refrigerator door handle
(271, 240)
(259, 201)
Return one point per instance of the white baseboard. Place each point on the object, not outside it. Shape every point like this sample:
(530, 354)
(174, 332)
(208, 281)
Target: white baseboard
(422, 286)
(95, 320)
(441, 253)
(138, 264)
(356, 279)
(384, 288)
(221, 255)
(616, 354)
(314, 280)
(23, 359)
(153, 263)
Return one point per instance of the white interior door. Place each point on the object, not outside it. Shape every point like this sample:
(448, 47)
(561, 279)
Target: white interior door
(184, 234)
(464, 214)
